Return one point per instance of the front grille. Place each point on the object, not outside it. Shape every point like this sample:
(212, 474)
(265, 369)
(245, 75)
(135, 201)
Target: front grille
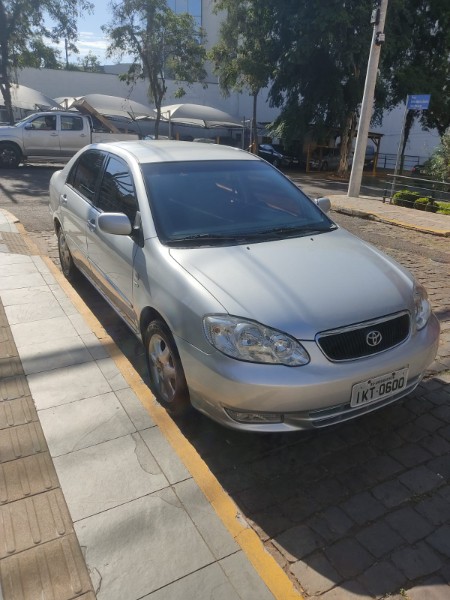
(352, 342)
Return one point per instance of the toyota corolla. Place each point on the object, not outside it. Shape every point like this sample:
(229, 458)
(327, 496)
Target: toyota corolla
(254, 307)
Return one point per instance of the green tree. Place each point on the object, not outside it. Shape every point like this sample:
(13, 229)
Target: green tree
(91, 63)
(438, 165)
(23, 21)
(243, 58)
(319, 81)
(39, 55)
(319, 54)
(160, 42)
(417, 57)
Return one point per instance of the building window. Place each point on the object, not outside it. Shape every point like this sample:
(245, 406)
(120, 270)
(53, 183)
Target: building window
(193, 7)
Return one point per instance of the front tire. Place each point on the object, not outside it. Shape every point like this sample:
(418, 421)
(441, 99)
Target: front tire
(167, 379)
(65, 257)
(10, 156)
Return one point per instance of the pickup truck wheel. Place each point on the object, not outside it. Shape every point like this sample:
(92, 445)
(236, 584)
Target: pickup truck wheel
(10, 156)
(167, 380)
(67, 265)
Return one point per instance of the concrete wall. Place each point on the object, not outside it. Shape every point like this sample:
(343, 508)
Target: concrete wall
(54, 83)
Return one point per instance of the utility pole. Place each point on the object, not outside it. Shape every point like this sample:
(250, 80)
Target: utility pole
(378, 20)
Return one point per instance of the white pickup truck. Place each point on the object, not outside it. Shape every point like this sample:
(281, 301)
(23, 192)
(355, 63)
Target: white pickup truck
(50, 136)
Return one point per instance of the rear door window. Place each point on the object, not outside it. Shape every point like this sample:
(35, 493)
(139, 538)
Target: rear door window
(85, 174)
(117, 193)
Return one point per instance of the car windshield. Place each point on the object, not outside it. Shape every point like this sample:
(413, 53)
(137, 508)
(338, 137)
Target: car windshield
(227, 202)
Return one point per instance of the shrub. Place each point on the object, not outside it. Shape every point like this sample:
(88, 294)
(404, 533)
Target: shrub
(443, 208)
(405, 198)
(421, 203)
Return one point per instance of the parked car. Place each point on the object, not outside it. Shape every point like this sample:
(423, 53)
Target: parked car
(252, 304)
(276, 156)
(418, 171)
(53, 136)
(328, 160)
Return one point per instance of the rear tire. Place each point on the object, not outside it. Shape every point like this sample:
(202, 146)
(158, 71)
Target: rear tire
(65, 257)
(10, 156)
(167, 379)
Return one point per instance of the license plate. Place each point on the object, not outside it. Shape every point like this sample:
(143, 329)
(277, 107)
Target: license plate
(379, 387)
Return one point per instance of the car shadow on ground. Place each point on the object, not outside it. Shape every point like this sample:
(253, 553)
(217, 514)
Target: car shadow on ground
(26, 180)
(362, 507)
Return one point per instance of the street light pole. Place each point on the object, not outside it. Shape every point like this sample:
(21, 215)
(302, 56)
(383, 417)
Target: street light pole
(378, 19)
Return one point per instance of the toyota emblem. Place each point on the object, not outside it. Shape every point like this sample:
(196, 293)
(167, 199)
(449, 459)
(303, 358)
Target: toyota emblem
(373, 338)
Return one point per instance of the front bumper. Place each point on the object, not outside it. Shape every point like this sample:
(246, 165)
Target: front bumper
(314, 395)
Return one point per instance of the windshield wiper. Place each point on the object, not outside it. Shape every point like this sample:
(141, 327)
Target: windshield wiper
(304, 230)
(205, 237)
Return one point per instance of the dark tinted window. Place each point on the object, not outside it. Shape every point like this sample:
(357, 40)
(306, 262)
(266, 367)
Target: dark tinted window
(84, 175)
(117, 190)
(229, 199)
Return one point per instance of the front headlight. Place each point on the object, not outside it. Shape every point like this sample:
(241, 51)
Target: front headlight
(422, 306)
(253, 342)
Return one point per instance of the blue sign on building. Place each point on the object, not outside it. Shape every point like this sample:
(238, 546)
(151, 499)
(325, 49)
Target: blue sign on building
(418, 102)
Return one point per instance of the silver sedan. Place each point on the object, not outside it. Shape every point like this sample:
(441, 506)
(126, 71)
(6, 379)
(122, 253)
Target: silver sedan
(253, 306)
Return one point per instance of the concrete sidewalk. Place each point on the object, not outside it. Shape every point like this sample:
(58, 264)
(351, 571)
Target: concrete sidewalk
(94, 500)
(375, 208)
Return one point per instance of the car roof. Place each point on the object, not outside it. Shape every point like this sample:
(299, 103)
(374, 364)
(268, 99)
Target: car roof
(148, 151)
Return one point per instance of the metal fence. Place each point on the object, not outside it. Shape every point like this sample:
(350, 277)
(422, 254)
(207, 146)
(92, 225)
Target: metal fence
(427, 188)
(387, 161)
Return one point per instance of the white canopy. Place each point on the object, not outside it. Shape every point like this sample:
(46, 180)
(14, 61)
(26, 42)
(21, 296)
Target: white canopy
(111, 105)
(29, 99)
(199, 115)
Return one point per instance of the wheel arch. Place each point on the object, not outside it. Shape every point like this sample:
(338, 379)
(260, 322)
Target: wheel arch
(148, 315)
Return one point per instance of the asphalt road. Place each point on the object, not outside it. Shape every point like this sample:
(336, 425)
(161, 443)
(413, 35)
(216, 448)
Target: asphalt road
(361, 510)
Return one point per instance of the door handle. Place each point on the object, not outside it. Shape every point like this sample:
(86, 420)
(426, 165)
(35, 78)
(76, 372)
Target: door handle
(91, 225)
(64, 200)
(82, 135)
(54, 134)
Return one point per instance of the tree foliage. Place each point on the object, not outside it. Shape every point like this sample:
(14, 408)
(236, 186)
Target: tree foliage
(22, 24)
(243, 58)
(317, 54)
(90, 63)
(160, 42)
(417, 57)
(438, 165)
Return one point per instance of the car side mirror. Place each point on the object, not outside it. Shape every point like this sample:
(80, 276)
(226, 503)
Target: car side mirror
(29, 126)
(114, 223)
(324, 204)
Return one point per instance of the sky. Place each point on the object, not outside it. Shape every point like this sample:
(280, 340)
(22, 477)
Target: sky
(91, 37)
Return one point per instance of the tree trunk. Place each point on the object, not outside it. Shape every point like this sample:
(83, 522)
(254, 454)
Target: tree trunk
(347, 135)
(4, 77)
(409, 121)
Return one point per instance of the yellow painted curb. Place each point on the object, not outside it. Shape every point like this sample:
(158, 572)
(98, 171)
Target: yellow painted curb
(265, 565)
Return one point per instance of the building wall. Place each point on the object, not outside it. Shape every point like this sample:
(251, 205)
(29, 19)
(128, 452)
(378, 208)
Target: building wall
(57, 83)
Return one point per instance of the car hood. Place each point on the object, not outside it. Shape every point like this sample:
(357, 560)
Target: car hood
(302, 285)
